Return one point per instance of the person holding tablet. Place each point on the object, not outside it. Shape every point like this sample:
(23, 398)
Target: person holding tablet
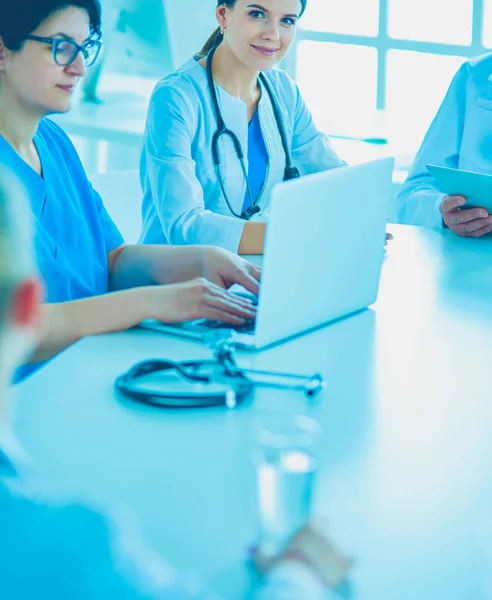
(459, 137)
(224, 129)
(44, 51)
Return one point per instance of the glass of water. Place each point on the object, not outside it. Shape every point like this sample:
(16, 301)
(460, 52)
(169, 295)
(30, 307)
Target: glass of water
(286, 467)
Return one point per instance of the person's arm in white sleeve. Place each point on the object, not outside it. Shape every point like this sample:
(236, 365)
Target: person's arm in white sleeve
(312, 151)
(420, 197)
(176, 192)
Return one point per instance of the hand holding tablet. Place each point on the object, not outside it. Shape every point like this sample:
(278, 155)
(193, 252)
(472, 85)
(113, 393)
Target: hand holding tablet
(468, 207)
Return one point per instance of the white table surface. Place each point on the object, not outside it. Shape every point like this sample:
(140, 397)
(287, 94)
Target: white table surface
(405, 457)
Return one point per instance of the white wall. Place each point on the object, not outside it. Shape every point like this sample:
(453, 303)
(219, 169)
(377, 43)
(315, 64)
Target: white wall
(189, 24)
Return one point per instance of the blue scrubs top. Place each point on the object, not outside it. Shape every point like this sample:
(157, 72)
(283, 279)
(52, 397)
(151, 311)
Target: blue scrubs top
(258, 160)
(74, 232)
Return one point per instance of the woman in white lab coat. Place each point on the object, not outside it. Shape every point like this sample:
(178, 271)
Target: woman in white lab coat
(187, 198)
(459, 137)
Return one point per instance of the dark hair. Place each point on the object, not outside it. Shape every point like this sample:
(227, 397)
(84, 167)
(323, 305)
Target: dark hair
(19, 18)
(216, 38)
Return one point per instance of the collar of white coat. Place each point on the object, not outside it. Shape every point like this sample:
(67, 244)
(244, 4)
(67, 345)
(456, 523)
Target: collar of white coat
(234, 111)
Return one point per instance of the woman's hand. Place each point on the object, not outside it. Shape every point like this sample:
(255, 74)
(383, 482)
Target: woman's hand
(198, 299)
(311, 548)
(467, 222)
(225, 269)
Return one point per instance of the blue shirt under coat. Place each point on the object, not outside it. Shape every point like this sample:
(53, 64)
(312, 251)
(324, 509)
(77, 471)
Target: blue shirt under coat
(257, 160)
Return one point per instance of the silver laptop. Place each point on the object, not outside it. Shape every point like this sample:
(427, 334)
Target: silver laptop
(323, 254)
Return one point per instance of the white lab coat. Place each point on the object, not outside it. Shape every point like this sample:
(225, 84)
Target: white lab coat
(460, 136)
(183, 203)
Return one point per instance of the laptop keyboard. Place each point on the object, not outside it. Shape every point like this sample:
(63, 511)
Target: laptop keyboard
(248, 327)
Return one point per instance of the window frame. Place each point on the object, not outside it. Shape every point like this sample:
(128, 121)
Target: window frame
(383, 43)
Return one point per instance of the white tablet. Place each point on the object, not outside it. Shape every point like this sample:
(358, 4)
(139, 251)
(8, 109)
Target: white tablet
(475, 187)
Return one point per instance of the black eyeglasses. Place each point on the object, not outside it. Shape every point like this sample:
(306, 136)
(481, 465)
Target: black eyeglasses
(65, 51)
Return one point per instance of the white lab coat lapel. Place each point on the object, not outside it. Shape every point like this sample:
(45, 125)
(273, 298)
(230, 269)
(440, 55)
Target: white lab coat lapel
(273, 143)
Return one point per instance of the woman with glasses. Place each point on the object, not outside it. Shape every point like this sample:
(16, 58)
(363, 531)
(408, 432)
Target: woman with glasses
(225, 128)
(45, 47)
(65, 50)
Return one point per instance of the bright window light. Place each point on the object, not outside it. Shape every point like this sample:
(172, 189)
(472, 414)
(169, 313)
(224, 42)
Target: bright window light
(487, 23)
(355, 17)
(347, 83)
(416, 85)
(417, 44)
(443, 21)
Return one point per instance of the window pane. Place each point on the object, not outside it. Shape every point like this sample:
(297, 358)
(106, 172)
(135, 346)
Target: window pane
(431, 20)
(487, 23)
(416, 86)
(346, 87)
(356, 17)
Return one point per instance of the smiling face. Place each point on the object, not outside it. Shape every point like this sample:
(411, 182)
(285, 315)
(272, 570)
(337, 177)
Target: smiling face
(31, 75)
(260, 32)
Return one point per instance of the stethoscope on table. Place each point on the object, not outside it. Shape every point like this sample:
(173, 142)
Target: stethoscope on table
(290, 172)
(206, 383)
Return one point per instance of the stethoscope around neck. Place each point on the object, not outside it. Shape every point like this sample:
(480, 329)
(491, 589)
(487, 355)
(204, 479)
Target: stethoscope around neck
(290, 172)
